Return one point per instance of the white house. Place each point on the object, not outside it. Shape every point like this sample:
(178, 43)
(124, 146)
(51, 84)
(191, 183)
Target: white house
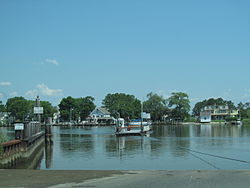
(101, 116)
(216, 112)
(100, 112)
(205, 117)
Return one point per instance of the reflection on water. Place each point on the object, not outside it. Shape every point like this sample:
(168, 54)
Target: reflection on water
(167, 147)
(48, 149)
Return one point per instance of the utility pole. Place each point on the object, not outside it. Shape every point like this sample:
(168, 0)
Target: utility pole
(37, 104)
(70, 115)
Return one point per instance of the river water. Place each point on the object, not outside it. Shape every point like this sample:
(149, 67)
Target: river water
(169, 147)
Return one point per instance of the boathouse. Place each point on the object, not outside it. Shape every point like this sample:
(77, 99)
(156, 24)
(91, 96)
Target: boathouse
(205, 117)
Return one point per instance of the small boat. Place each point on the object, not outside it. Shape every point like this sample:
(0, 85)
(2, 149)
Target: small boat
(133, 128)
(136, 127)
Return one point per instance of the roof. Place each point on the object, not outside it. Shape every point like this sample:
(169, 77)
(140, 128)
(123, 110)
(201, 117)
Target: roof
(103, 110)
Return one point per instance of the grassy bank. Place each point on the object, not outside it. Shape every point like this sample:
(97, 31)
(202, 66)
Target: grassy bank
(246, 121)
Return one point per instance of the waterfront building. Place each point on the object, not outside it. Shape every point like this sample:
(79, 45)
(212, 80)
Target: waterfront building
(56, 117)
(100, 112)
(205, 116)
(101, 116)
(217, 112)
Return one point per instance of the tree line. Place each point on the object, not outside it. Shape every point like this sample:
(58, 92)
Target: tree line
(21, 109)
(175, 107)
(128, 106)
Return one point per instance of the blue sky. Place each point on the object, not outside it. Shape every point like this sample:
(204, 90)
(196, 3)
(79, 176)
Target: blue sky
(88, 47)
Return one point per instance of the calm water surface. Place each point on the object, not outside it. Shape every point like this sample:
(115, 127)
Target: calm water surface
(167, 148)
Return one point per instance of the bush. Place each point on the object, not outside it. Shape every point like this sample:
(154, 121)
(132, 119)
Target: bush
(219, 121)
(190, 119)
(231, 118)
(246, 121)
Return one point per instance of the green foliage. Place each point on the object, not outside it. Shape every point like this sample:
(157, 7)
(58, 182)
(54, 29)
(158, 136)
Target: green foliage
(74, 108)
(84, 106)
(66, 107)
(48, 110)
(126, 105)
(21, 108)
(179, 101)
(219, 121)
(246, 121)
(244, 110)
(156, 106)
(190, 119)
(2, 107)
(198, 106)
(18, 107)
(231, 118)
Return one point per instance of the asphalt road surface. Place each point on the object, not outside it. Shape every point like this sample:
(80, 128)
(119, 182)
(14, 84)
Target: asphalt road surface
(124, 179)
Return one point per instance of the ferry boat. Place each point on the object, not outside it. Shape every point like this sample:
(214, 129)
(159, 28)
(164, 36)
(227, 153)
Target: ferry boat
(135, 127)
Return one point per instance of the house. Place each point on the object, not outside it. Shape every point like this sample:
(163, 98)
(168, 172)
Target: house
(99, 113)
(101, 116)
(205, 117)
(217, 112)
(56, 117)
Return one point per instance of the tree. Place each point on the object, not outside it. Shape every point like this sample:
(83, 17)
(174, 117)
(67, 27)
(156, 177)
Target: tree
(74, 108)
(156, 106)
(2, 107)
(66, 108)
(244, 109)
(18, 107)
(126, 105)
(180, 103)
(198, 106)
(48, 110)
(84, 106)
(230, 105)
(218, 101)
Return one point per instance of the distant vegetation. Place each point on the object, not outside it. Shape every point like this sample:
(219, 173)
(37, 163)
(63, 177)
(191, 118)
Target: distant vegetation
(76, 108)
(155, 105)
(180, 106)
(176, 107)
(123, 105)
(244, 110)
(246, 120)
(21, 108)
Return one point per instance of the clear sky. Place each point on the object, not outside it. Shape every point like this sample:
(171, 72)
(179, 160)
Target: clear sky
(58, 48)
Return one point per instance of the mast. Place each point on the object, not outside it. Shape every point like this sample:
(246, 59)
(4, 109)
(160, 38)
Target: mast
(37, 104)
(141, 116)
